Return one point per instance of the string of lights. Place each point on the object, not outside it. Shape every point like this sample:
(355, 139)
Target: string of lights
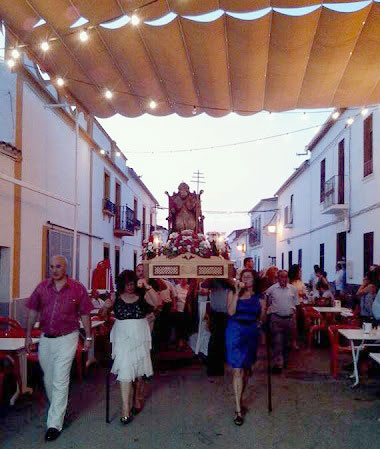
(226, 212)
(336, 116)
(83, 36)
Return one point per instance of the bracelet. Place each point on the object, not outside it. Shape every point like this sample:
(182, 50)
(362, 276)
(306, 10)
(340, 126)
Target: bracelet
(88, 338)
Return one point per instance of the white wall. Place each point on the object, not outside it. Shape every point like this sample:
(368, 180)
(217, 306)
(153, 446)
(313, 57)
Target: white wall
(312, 227)
(48, 162)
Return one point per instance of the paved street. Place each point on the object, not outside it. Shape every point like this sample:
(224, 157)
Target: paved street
(185, 409)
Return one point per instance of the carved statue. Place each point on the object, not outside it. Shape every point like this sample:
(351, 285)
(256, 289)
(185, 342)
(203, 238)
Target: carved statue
(185, 210)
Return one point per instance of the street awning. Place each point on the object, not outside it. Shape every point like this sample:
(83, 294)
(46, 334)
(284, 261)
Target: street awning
(246, 57)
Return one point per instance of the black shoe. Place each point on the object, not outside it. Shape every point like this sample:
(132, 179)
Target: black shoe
(239, 420)
(52, 434)
(276, 370)
(126, 419)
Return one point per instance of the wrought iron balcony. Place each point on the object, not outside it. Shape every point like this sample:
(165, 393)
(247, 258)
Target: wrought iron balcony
(335, 195)
(109, 207)
(137, 224)
(124, 221)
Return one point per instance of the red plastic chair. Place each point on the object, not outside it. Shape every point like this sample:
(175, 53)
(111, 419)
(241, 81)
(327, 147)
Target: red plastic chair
(311, 317)
(336, 346)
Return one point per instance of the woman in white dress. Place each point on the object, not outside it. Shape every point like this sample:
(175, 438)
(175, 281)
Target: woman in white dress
(131, 338)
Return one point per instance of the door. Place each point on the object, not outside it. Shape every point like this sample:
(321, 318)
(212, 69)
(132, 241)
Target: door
(341, 172)
(340, 247)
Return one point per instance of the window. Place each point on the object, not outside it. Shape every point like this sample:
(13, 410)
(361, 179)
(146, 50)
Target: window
(117, 260)
(106, 186)
(368, 251)
(106, 251)
(286, 215)
(258, 263)
(368, 147)
(134, 260)
(341, 172)
(143, 223)
(282, 261)
(322, 256)
(290, 259)
(61, 243)
(300, 258)
(291, 209)
(323, 180)
(117, 194)
(340, 246)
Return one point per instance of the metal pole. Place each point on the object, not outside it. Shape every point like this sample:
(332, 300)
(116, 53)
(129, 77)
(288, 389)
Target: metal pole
(269, 357)
(74, 274)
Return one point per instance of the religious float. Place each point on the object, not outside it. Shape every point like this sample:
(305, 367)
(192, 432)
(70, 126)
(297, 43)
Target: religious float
(188, 252)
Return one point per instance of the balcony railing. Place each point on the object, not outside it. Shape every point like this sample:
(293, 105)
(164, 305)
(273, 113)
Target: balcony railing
(137, 224)
(254, 237)
(109, 207)
(335, 193)
(124, 224)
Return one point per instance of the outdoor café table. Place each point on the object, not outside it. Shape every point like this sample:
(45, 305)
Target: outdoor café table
(342, 310)
(16, 347)
(91, 352)
(375, 356)
(359, 335)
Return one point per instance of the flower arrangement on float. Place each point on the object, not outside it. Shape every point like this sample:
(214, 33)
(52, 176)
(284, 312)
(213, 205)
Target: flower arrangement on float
(187, 242)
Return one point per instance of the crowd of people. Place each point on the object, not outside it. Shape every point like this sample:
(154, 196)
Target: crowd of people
(224, 317)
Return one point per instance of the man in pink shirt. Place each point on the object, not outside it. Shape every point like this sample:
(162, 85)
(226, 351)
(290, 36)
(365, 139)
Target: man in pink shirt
(60, 302)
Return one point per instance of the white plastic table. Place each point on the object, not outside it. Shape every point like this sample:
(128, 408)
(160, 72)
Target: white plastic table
(375, 356)
(344, 311)
(359, 335)
(16, 347)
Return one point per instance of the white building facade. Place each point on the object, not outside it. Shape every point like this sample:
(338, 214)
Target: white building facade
(37, 188)
(329, 209)
(262, 234)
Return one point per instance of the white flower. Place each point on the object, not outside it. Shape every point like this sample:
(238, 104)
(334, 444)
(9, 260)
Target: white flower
(175, 248)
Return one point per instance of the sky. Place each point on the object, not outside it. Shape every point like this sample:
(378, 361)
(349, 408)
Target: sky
(236, 177)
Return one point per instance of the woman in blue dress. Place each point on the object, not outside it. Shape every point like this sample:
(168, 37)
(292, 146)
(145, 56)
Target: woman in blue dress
(242, 334)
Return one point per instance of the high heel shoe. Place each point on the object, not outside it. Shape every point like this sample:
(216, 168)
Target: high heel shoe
(126, 419)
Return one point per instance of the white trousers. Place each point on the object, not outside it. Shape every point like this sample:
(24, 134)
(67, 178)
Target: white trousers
(56, 356)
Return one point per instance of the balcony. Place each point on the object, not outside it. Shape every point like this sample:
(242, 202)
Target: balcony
(254, 237)
(124, 222)
(109, 207)
(335, 195)
(137, 224)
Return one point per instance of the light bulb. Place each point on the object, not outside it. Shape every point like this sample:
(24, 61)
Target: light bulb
(152, 104)
(135, 20)
(11, 63)
(15, 53)
(108, 94)
(335, 115)
(103, 152)
(194, 110)
(44, 46)
(83, 36)
(350, 121)
(364, 111)
(118, 153)
(60, 82)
